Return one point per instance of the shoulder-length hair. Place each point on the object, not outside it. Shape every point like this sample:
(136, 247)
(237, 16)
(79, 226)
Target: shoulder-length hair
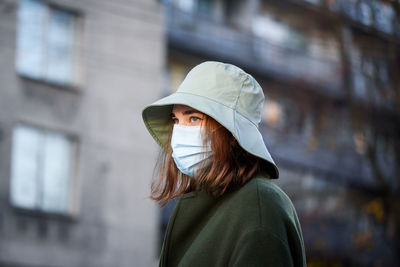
(230, 166)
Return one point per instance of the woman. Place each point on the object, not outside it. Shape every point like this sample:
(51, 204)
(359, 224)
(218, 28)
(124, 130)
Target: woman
(229, 212)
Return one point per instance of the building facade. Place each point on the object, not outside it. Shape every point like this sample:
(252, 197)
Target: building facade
(76, 161)
(75, 158)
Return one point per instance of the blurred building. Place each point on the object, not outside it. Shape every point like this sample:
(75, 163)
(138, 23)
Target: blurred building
(76, 161)
(75, 158)
(329, 70)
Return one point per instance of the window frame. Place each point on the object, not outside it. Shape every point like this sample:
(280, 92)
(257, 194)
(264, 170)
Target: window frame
(72, 211)
(76, 81)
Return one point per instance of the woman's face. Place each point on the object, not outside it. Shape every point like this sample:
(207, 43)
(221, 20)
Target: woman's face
(184, 115)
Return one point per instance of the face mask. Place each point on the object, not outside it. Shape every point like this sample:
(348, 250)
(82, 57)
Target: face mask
(188, 150)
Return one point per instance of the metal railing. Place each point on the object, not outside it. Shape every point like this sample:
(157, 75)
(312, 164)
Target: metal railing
(204, 34)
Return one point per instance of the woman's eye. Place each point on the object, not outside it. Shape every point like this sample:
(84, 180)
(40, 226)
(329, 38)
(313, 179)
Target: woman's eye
(175, 120)
(194, 119)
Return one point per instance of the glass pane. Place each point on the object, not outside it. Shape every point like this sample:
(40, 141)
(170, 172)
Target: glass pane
(24, 167)
(365, 13)
(187, 5)
(314, 1)
(384, 15)
(205, 7)
(269, 29)
(61, 32)
(56, 173)
(30, 35)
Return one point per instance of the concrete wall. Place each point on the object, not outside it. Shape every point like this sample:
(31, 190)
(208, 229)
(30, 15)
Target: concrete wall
(121, 66)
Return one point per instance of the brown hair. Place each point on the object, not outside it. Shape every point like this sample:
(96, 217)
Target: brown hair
(230, 166)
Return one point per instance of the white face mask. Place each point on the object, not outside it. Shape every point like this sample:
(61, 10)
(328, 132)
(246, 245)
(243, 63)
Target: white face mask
(188, 150)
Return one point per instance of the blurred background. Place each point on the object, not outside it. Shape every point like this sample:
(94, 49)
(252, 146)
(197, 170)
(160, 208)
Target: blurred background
(76, 160)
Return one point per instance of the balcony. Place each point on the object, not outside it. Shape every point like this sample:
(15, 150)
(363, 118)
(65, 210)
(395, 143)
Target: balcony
(200, 34)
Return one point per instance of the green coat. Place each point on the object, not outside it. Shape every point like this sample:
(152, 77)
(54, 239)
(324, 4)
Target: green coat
(255, 225)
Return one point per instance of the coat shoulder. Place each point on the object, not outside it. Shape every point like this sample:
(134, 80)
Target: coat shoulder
(266, 202)
(266, 193)
(269, 192)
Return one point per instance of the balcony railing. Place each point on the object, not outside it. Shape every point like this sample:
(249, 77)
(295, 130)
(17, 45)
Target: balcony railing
(201, 34)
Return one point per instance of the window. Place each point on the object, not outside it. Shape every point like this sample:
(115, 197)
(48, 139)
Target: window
(186, 5)
(42, 170)
(200, 6)
(384, 16)
(205, 7)
(377, 13)
(365, 13)
(46, 42)
(273, 31)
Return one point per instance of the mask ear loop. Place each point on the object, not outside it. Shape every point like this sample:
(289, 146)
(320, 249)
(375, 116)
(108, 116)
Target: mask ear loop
(207, 137)
(214, 130)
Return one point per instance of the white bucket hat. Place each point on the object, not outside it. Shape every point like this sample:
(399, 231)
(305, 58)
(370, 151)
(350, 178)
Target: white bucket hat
(227, 94)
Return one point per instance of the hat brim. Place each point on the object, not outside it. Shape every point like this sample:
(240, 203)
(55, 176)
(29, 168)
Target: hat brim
(157, 118)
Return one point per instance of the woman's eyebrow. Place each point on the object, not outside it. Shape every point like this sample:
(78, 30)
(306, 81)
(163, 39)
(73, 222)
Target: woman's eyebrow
(190, 111)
